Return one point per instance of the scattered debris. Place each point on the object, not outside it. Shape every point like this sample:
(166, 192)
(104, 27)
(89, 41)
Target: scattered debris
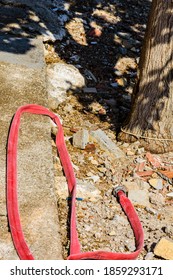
(157, 199)
(164, 249)
(106, 143)
(151, 210)
(156, 183)
(130, 185)
(149, 256)
(81, 139)
(95, 32)
(89, 75)
(154, 160)
(140, 164)
(166, 175)
(106, 55)
(89, 90)
(144, 173)
(170, 194)
(139, 197)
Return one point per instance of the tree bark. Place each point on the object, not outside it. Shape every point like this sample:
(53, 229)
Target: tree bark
(151, 117)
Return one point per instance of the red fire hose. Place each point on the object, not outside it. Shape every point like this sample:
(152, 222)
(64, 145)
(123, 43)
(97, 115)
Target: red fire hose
(12, 198)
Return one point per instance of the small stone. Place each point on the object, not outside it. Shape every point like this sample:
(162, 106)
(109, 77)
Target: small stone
(74, 129)
(95, 162)
(90, 76)
(84, 241)
(102, 169)
(112, 233)
(125, 145)
(164, 249)
(129, 90)
(114, 85)
(140, 151)
(156, 183)
(149, 256)
(95, 32)
(95, 107)
(168, 229)
(89, 90)
(89, 174)
(120, 220)
(121, 82)
(118, 73)
(87, 228)
(155, 160)
(151, 210)
(94, 178)
(130, 153)
(68, 108)
(124, 35)
(106, 143)
(139, 197)
(81, 159)
(75, 58)
(102, 111)
(129, 246)
(90, 148)
(157, 199)
(75, 167)
(121, 249)
(130, 185)
(81, 138)
(133, 49)
(97, 235)
(140, 164)
(170, 195)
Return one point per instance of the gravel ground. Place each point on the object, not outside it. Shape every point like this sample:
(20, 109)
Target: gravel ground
(103, 41)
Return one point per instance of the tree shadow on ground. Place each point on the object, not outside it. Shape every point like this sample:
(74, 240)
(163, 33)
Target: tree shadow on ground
(122, 25)
(26, 20)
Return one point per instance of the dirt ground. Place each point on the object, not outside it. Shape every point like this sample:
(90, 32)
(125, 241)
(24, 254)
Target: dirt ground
(103, 41)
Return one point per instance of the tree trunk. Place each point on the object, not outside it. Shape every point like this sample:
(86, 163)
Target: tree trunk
(151, 117)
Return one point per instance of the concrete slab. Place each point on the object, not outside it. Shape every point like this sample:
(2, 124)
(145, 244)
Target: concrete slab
(21, 51)
(22, 81)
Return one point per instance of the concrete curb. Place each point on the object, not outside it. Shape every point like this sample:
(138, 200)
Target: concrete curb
(22, 80)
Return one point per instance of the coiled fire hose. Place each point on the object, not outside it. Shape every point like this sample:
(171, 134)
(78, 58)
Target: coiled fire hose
(12, 197)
